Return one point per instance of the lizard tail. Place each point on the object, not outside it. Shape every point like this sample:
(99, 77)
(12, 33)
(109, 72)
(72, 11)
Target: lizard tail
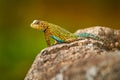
(88, 35)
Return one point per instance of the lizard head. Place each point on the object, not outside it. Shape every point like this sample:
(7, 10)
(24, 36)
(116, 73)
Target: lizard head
(40, 25)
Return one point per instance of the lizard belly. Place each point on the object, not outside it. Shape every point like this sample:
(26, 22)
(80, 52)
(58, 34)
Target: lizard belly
(57, 39)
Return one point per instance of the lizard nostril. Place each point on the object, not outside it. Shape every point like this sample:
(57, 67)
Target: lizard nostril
(36, 22)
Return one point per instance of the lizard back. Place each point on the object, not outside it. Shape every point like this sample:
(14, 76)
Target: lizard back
(61, 33)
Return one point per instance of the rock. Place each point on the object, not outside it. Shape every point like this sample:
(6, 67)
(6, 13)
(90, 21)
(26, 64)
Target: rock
(84, 59)
(110, 35)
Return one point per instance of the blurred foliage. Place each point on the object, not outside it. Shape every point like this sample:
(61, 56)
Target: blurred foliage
(19, 44)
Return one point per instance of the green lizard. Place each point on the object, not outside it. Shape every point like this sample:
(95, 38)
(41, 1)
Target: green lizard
(58, 33)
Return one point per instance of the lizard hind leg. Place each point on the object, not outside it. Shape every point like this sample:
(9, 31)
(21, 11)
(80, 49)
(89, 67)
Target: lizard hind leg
(55, 43)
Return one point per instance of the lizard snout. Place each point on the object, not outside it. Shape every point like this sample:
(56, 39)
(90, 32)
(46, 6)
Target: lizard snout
(35, 24)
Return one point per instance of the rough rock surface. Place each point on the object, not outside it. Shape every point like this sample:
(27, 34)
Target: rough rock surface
(84, 59)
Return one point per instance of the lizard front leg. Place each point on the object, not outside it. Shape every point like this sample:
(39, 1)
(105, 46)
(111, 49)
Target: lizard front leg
(47, 38)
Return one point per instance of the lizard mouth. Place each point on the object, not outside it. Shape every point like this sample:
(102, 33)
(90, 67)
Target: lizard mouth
(34, 26)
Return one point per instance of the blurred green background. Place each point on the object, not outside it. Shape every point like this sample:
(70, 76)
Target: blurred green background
(19, 44)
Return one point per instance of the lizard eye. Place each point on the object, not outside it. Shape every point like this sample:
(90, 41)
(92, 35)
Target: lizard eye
(36, 22)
